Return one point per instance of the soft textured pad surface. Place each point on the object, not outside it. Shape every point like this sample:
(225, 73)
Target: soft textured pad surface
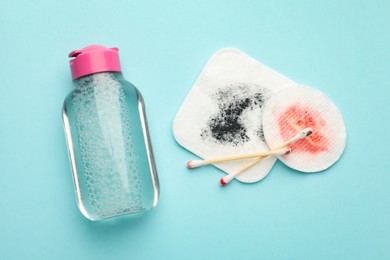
(295, 108)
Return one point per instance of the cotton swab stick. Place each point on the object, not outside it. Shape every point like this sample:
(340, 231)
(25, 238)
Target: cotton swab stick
(302, 134)
(296, 127)
(225, 180)
(196, 163)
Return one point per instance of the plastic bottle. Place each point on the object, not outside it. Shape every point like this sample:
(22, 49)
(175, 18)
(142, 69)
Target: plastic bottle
(109, 147)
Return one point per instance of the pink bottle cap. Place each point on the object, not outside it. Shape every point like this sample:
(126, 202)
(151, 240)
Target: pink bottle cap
(92, 59)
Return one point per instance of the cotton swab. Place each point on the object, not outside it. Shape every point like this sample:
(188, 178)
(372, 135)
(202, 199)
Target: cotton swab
(302, 134)
(296, 127)
(197, 163)
(225, 180)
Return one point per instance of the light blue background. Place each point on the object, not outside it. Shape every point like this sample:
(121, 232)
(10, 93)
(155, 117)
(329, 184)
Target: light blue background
(338, 47)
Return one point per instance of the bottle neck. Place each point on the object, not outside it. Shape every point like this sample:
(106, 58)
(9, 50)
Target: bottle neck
(99, 78)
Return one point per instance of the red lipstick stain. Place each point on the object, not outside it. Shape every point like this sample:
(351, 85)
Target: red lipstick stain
(296, 118)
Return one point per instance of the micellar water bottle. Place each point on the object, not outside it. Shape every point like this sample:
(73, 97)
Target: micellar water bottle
(109, 147)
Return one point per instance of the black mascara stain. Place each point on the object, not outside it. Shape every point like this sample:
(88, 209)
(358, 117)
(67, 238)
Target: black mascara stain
(227, 126)
(260, 133)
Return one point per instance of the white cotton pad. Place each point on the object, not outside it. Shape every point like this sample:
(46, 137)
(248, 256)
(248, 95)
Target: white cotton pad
(221, 116)
(293, 109)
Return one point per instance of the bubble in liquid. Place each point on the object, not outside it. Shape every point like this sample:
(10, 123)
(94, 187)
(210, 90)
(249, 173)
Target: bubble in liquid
(108, 155)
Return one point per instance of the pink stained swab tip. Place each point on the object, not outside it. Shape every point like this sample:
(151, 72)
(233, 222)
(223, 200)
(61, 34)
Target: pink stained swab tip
(223, 182)
(194, 163)
(189, 166)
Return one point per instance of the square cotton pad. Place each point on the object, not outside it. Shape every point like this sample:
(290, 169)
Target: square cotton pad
(221, 116)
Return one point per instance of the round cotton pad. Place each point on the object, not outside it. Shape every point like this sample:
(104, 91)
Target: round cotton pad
(293, 109)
